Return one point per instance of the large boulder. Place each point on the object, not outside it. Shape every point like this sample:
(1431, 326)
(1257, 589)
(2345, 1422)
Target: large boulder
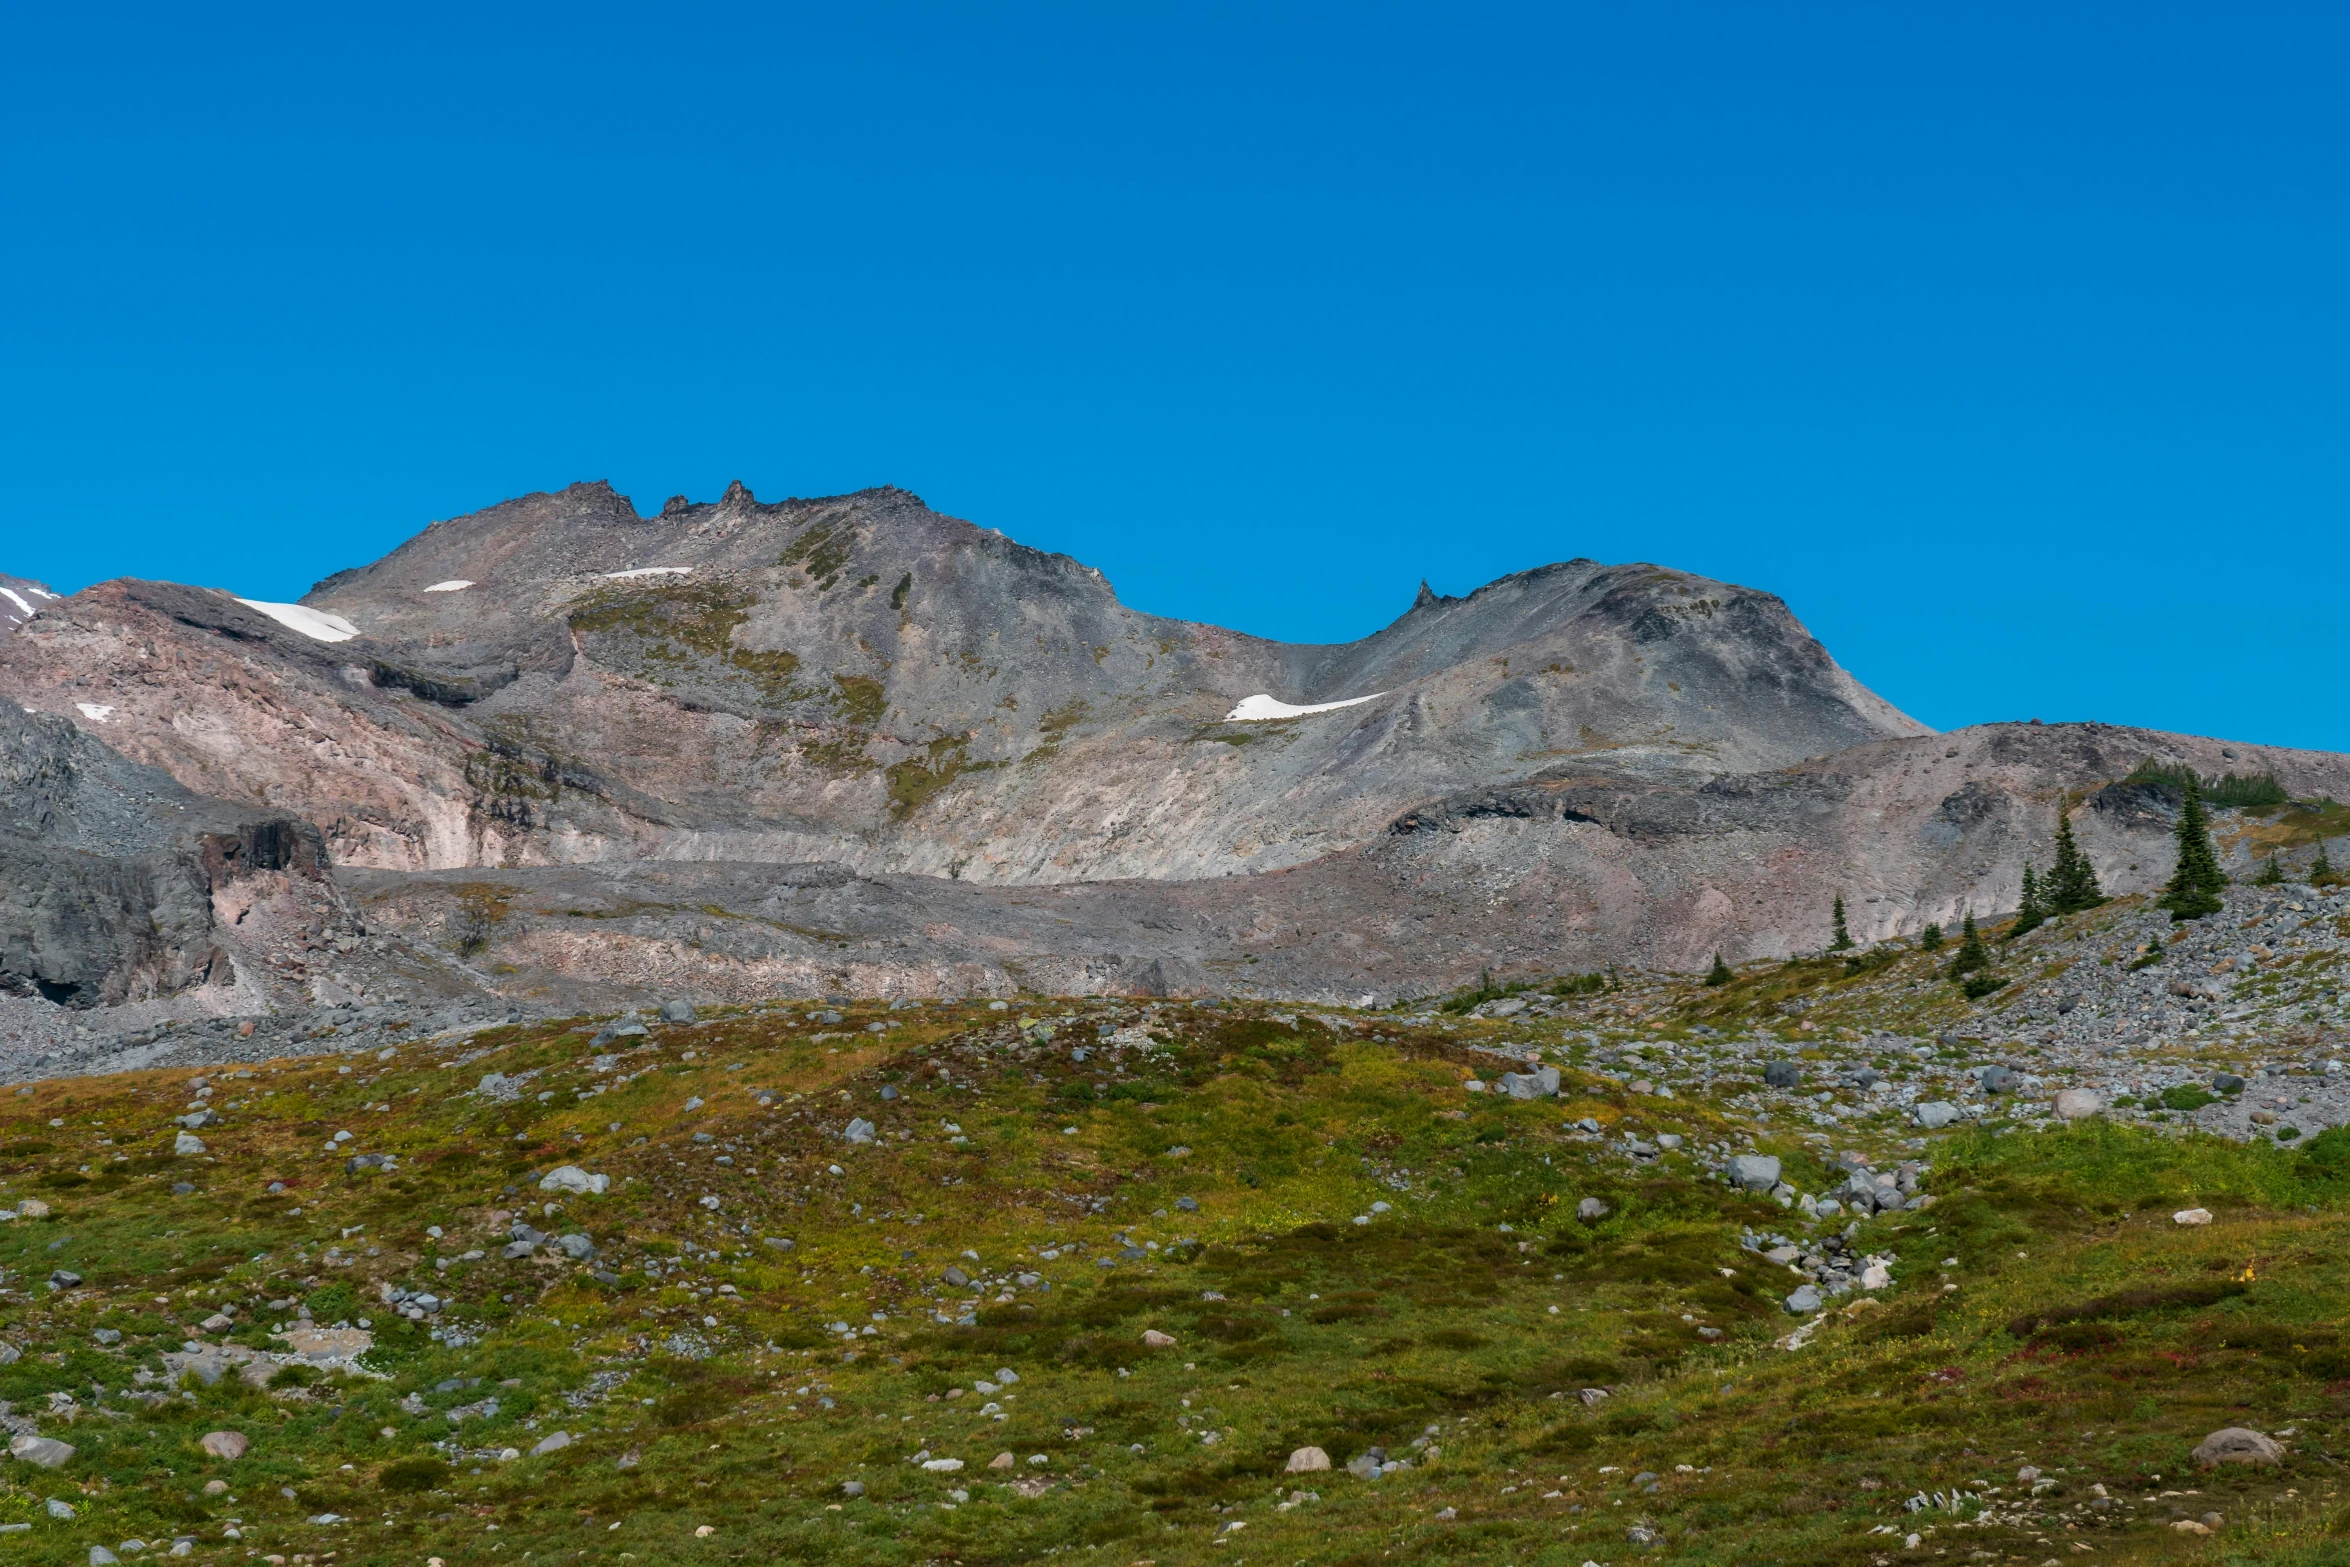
(2237, 1445)
(2078, 1104)
(571, 1178)
(1754, 1172)
(46, 1451)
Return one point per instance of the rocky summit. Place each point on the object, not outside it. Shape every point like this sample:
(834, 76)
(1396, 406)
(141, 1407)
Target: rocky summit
(558, 753)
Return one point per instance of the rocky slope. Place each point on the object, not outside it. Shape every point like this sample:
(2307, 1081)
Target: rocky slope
(565, 755)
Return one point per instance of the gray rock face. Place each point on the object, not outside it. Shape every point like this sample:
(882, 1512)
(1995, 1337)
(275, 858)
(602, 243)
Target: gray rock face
(21, 599)
(108, 869)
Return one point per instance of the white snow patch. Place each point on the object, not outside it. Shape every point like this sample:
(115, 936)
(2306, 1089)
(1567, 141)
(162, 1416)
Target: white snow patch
(1260, 707)
(95, 712)
(453, 585)
(14, 598)
(315, 624)
(648, 571)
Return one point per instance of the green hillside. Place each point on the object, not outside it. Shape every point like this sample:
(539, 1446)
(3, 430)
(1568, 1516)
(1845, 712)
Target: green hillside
(1346, 1248)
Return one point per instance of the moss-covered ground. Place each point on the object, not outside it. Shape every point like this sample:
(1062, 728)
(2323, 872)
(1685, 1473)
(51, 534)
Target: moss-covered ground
(1345, 1249)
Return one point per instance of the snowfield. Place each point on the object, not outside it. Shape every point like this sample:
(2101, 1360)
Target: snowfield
(648, 571)
(316, 624)
(453, 585)
(1260, 707)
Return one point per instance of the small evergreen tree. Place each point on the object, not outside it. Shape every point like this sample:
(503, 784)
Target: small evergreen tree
(1720, 973)
(1843, 937)
(2194, 888)
(2029, 915)
(1972, 954)
(2071, 883)
(1930, 939)
(2271, 873)
(2321, 866)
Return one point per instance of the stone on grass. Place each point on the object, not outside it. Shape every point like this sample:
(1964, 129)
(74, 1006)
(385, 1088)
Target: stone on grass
(2078, 1104)
(552, 1442)
(1307, 1460)
(1804, 1301)
(2191, 1216)
(2237, 1445)
(852, 1488)
(859, 1130)
(1152, 1338)
(100, 1556)
(1783, 1074)
(182, 1146)
(46, 1451)
(1935, 1114)
(677, 1012)
(571, 1178)
(943, 1466)
(1002, 1461)
(1754, 1172)
(225, 1444)
(1590, 1210)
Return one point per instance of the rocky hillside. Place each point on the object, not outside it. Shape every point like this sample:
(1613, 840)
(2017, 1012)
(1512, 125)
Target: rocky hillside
(864, 681)
(560, 754)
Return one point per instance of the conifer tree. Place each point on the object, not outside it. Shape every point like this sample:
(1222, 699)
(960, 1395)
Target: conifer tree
(1930, 939)
(1843, 938)
(2196, 881)
(2071, 883)
(1720, 973)
(1972, 954)
(2271, 874)
(2321, 866)
(2029, 913)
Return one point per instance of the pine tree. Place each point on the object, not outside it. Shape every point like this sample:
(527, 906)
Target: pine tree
(1972, 954)
(1843, 939)
(2071, 884)
(1930, 939)
(2196, 882)
(2321, 866)
(1720, 973)
(2271, 873)
(2029, 914)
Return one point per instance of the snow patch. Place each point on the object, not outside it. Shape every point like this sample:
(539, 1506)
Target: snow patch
(14, 598)
(95, 712)
(1260, 707)
(453, 585)
(315, 624)
(648, 571)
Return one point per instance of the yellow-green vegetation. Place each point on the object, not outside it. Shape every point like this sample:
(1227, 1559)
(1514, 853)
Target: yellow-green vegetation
(848, 1257)
(913, 780)
(668, 631)
(821, 552)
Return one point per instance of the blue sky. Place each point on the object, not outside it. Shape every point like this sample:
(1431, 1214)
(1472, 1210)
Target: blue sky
(2005, 342)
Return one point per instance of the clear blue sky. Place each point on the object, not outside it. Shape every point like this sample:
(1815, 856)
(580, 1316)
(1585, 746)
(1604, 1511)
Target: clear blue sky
(2006, 342)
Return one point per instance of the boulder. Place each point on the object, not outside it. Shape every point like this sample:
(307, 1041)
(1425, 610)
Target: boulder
(2236, 1445)
(45, 1451)
(1541, 1083)
(1935, 1114)
(2078, 1104)
(1783, 1074)
(677, 1012)
(552, 1442)
(859, 1130)
(2226, 1083)
(225, 1444)
(1590, 1210)
(571, 1178)
(2191, 1217)
(1152, 1338)
(1001, 1461)
(1307, 1460)
(1754, 1172)
(1804, 1301)
(186, 1144)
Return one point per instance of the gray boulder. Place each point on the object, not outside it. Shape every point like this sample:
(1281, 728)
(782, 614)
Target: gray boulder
(1934, 1114)
(1754, 1172)
(677, 1012)
(1590, 1210)
(1804, 1301)
(1783, 1074)
(1541, 1083)
(45, 1451)
(2237, 1445)
(553, 1442)
(859, 1130)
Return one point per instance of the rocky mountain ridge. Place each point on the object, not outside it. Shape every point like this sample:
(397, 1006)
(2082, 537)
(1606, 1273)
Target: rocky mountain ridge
(561, 753)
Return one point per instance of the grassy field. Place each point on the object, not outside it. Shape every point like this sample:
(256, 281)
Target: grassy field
(1345, 1249)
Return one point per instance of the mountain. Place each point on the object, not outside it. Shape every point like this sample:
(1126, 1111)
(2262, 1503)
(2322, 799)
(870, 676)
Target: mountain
(852, 745)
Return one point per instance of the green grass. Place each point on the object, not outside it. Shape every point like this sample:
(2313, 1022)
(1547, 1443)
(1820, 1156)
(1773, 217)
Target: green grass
(2078, 1328)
